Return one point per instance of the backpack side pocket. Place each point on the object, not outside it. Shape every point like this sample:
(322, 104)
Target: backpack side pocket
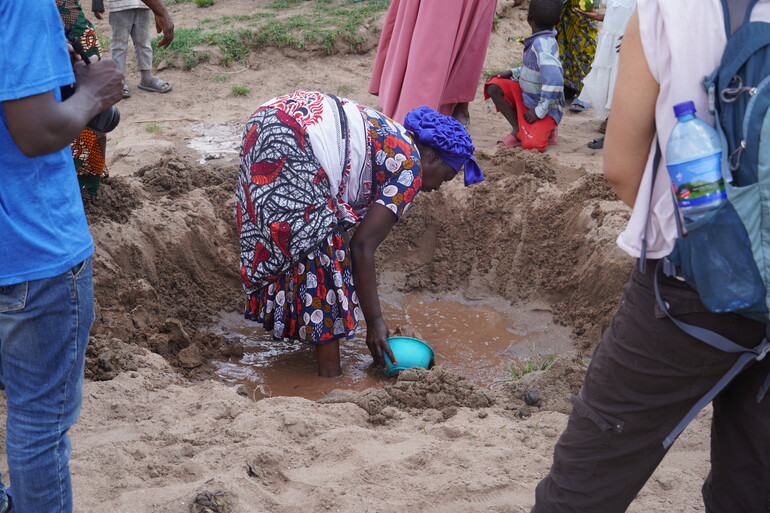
(715, 259)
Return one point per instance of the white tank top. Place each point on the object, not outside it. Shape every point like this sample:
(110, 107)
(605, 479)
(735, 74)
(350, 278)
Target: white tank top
(683, 42)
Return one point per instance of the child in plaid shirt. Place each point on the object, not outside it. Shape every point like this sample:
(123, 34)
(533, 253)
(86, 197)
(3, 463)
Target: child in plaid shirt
(531, 97)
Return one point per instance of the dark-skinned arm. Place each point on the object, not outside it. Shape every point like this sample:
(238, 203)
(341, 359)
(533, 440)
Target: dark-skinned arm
(40, 125)
(163, 21)
(376, 225)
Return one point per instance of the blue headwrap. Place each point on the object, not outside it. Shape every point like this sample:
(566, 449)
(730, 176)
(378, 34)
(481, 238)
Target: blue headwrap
(448, 138)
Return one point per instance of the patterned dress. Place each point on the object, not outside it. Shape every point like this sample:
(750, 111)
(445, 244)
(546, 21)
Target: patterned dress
(577, 44)
(88, 150)
(311, 166)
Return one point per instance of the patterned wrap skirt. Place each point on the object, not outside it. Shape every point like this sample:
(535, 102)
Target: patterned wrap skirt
(295, 264)
(89, 149)
(576, 36)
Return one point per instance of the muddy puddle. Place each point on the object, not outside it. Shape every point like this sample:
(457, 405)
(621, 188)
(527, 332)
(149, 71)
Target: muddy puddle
(477, 340)
(220, 141)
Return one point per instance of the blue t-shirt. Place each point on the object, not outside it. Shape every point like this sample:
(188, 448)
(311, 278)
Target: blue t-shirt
(43, 228)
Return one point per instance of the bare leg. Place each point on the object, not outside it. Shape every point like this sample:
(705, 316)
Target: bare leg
(506, 109)
(328, 357)
(462, 114)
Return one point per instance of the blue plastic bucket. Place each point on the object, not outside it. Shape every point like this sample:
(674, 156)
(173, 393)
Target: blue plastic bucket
(409, 352)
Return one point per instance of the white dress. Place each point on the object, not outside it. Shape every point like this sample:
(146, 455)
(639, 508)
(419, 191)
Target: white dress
(600, 81)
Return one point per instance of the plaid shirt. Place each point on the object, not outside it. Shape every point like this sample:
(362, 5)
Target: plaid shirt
(540, 76)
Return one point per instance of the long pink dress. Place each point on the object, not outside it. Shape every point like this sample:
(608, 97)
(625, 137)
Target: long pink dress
(431, 52)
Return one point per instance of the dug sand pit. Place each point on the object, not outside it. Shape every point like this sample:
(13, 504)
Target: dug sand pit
(158, 434)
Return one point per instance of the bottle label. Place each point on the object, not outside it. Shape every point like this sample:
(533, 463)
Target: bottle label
(698, 182)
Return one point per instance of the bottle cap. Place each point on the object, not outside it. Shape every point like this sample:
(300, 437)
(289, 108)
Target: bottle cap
(680, 109)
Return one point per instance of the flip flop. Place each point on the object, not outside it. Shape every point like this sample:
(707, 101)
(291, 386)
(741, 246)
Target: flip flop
(579, 106)
(509, 141)
(157, 86)
(597, 144)
(126, 91)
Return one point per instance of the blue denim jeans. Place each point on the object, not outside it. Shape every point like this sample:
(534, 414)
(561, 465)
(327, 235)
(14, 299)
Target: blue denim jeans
(44, 327)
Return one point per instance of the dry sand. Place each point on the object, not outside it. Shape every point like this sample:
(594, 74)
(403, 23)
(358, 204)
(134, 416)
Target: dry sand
(156, 431)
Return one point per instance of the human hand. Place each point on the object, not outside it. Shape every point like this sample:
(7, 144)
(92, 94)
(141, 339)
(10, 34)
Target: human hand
(102, 81)
(164, 24)
(530, 116)
(377, 342)
(503, 74)
(590, 15)
(73, 54)
(98, 15)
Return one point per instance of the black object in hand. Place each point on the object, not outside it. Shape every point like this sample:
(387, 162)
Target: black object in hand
(104, 121)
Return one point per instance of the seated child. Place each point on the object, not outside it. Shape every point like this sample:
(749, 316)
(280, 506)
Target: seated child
(531, 97)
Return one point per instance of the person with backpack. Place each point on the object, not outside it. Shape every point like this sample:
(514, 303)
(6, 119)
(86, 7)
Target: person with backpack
(648, 373)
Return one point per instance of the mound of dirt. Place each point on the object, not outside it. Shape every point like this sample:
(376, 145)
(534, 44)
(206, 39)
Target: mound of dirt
(417, 389)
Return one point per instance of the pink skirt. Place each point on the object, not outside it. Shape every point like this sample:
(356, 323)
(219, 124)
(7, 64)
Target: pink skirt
(431, 52)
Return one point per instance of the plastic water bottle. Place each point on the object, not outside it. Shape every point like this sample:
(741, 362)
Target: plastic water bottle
(694, 162)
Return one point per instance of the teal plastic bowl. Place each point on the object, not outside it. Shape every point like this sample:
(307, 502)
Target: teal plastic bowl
(409, 352)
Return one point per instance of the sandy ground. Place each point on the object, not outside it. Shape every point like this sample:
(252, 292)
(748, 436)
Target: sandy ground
(157, 435)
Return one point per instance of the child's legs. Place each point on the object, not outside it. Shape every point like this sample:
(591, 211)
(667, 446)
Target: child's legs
(140, 35)
(507, 109)
(120, 23)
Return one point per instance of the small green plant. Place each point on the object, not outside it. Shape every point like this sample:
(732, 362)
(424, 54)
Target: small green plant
(220, 78)
(204, 3)
(518, 367)
(344, 90)
(239, 90)
(104, 42)
(153, 128)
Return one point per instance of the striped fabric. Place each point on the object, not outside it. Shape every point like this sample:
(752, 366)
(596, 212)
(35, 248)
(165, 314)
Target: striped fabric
(540, 75)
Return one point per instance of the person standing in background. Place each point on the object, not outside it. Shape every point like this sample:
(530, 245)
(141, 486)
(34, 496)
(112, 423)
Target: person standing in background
(89, 148)
(431, 52)
(576, 35)
(46, 279)
(131, 19)
(600, 81)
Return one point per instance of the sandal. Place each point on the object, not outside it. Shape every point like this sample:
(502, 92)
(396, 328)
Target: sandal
(126, 91)
(156, 86)
(597, 144)
(579, 106)
(509, 141)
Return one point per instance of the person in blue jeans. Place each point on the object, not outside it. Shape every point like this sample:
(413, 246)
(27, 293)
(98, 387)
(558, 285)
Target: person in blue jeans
(46, 284)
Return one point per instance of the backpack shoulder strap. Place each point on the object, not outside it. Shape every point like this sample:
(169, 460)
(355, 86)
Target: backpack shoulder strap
(679, 228)
(717, 341)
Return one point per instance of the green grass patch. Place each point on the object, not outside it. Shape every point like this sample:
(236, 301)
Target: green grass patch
(239, 90)
(104, 42)
(344, 90)
(519, 367)
(220, 78)
(323, 24)
(204, 3)
(153, 128)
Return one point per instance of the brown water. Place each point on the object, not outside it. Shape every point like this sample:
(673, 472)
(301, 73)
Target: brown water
(473, 339)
